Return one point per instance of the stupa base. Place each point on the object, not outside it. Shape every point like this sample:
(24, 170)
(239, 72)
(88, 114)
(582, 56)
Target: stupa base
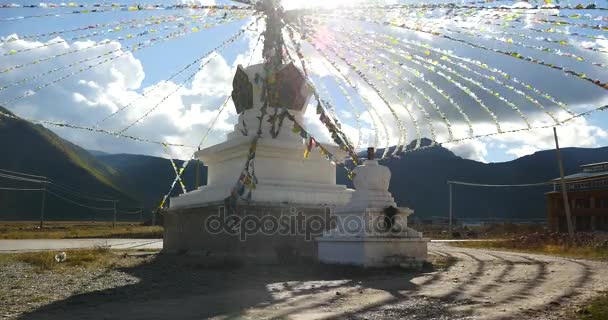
(265, 232)
(373, 252)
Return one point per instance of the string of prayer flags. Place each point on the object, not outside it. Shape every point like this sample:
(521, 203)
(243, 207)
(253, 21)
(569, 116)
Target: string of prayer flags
(310, 143)
(142, 45)
(512, 54)
(96, 130)
(99, 8)
(330, 123)
(146, 32)
(116, 28)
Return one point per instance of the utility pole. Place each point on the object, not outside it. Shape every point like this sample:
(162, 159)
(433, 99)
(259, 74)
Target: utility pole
(563, 185)
(141, 215)
(451, 208)
(114, 220)
(43, 205)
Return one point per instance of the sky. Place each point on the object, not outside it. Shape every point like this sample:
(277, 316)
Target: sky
(87, 97)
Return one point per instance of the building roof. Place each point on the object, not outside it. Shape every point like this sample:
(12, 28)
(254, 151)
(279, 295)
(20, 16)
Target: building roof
(594, 164)
(583, 176)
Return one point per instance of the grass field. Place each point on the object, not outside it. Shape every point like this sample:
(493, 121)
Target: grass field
(77, 229)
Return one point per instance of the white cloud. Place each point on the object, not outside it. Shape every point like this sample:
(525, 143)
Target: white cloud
(473, 149)
(577, 133)
(88, 97)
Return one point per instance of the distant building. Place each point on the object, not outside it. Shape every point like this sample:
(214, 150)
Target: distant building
(588, 196)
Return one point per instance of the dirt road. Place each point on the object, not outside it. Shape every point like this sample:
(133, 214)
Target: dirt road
(476, 285)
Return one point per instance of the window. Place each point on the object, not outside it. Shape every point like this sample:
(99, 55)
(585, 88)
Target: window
(582, 204)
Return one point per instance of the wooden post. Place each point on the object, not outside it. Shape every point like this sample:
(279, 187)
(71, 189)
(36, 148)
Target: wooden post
(563, 185)
(114, 220)
(42, 207)
(451, 209)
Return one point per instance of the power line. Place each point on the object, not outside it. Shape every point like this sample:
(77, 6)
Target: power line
(17, 189)
(20, 178)
(131, 212)
(23, 174)
(78, 203)
(63, 188)
(500, 185)
(84, 195)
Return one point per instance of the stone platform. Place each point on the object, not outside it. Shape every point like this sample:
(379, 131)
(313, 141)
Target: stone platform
(195, 231)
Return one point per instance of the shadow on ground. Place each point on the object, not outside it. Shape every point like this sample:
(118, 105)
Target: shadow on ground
(473, 283)
(183, 287)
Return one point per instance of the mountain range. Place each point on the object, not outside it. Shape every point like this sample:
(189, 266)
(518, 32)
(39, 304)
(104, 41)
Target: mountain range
(81, 178)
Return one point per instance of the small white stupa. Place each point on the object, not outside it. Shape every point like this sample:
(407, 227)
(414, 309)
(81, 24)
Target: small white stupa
(370, 230)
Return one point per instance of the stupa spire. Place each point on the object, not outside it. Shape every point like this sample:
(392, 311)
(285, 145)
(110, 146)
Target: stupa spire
(273, 37)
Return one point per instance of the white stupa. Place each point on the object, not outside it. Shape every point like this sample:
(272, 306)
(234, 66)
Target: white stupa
(284, 175)
(286, 184)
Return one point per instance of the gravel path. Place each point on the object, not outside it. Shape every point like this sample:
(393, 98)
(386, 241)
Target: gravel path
(477, 284)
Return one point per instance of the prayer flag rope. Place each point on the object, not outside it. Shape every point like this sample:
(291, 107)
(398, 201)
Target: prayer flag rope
(406, 105)
(217, 49)
(139, 97)
(504, 22)
(369, 106)
(119, 6)
(151, 31)
(509, 40)
(139, 46)
(76, 63)
(397, 93)
(186, 163)
(445, 56)
(332, 124)
(95, 130)
(426, 97)
(109, 25)
(115, 28)
(119, 27)
(512, 54)
(441, 92)
(463, 88)
(134, 8)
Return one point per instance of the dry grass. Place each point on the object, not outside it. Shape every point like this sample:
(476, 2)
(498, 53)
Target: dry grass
(74, 229)
(45, 260)
(441, 263)
(596, 309)
(577, 252)
(488, 231)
